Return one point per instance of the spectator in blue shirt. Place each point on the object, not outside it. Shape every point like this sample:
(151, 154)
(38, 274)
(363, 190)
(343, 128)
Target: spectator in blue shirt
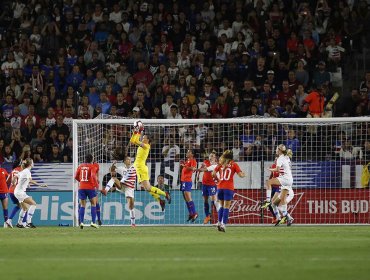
(75, 78)
(104, 103)
(93, 96)
(292, 142)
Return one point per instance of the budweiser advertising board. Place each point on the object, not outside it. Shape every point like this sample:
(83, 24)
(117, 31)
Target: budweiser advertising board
(309, 206)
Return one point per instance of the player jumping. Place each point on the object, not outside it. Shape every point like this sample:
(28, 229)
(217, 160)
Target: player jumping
(141, 167)
(285, 180)
(126, 185)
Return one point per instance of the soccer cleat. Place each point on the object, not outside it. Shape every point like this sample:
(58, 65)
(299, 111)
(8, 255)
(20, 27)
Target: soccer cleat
(189, 218)
(9, 223)
(94, 225)
(219, 226)
(222, 228)
(168, 197)
(277, 223)
(265, 204)
(30, 225)
(133, 225)
(82, 225)
(290, 222)
(162, 203)
(19, 226)
(194, 217)
(283, 220)
(100, 222)
(207, 220)
(104, 192)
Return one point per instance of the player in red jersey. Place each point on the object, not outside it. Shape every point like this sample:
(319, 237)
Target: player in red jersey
(209, 188)
(225, 171)
(275, 189)
(13, 180)
(4, 193)
(87, 177)
(188, 167)
(97, 184)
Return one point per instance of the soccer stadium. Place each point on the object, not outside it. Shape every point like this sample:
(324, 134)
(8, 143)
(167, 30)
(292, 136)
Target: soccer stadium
(179, 139)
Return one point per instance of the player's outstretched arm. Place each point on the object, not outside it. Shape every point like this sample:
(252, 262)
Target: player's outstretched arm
(241, 174)
(33, 182)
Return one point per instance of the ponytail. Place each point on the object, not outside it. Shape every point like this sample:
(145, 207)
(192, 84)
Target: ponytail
(228, 155)
(289, 153)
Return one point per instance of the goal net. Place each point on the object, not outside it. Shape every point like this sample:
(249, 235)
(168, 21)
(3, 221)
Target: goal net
(330, 158)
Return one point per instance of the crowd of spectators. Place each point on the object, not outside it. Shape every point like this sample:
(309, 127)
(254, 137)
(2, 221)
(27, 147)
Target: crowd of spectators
(170, 59)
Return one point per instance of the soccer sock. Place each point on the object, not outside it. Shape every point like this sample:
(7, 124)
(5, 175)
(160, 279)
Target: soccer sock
(157, 191)
(110, 184)
(276, 211)
(289, 216)
(98, 211)
(155, 196)
(21, 216)
(206, 208)
(220, 214)
(217, 205)
(225, 216)
(272, 211)
(30, 211)
(14, 211)
(93, 214)
(192, 207)
(283, 209)
(25, 217)
(268, 195)
(132, 216)
(188, 205)
(81, 214)
(5, 212)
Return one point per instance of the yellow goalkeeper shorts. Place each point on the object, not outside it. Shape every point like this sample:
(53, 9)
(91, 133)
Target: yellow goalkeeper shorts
(142, 173)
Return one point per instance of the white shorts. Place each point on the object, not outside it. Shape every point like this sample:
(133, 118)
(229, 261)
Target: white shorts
(129, 192)
(289, 197)
(286, 183)
(21, 196)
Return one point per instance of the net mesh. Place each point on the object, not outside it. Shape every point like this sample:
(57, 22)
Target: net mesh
(328, 167)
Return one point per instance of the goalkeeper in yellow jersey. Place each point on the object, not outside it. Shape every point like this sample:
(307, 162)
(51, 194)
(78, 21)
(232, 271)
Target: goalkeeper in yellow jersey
(141, 168)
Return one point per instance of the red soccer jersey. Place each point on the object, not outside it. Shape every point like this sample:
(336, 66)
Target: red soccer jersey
(3, 176)
(96, 172)
(226, 175)
(14, 174)
(86, 175)
(207, 175)
(187, 173)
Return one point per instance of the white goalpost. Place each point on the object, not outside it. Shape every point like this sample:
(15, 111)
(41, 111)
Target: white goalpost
(328, 160)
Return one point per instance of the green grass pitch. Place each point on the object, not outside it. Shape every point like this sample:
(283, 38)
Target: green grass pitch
(186, 253)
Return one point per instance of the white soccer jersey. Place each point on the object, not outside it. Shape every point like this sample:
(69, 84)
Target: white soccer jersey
(285, 167)
(24, 178)
(128, 176)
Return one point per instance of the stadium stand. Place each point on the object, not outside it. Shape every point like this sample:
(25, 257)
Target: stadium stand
(174, 59)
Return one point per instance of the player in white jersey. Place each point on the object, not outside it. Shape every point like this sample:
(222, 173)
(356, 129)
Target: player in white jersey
(285, 180)
(126, 185)
(27, 203)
